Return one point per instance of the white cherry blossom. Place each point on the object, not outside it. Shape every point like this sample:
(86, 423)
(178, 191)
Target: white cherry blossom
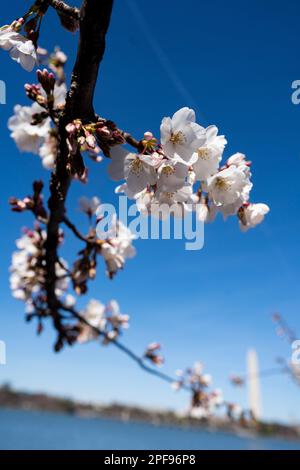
(24, 53)
(94, 314)
(21, 50)
(161, 178)
(251, 215)
(117, 246)
(115, 317)
(48, 151)
(205, 380)
(144, 201)
(59, 94)
(176, 203)
(210, 154)
(238, 159)
(229, 187)
(27, 137)
(89, 205)
(36, 138)
(215, 400)
(139, 172)
(8, 37)
(116, 166)
(137, 169)
(28, 271)
(181, 136)
(171, 176)
(113, 258)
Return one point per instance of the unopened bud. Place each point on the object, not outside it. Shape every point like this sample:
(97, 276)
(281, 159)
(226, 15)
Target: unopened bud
(91, 141)
(148, 135)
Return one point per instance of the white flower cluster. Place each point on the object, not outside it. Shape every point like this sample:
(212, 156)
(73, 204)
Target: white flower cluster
(80, 138)
(106, 319)
(33, 137)
(28, 267)
(21, 49)
(89, 206)
(115, 242)
(117, 245)
(182, 172)
(152, 353)
(192, 376)
(204, 401)
(210, 403)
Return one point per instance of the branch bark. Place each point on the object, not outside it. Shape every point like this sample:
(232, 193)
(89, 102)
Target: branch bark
(94, 23)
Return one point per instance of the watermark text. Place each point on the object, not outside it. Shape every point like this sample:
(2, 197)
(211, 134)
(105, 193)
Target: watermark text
(2, 353)
(2, 92)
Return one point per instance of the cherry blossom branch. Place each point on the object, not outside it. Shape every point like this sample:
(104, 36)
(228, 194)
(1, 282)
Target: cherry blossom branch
(79, 104)
(284, 331)
(94, 23)
(283, 328)
(200, 397)
(131, 140)
(75, 230)
(62, 7)
(137, 359)
(240, 380)
(78, 129)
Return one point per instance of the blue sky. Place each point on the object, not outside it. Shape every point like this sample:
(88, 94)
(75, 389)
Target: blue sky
(233, 62)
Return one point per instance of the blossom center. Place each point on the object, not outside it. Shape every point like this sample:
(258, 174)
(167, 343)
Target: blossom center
(136, 166)
(222, 184)
(169, 195)
(168, 171)
(203, 153)
(177, 138)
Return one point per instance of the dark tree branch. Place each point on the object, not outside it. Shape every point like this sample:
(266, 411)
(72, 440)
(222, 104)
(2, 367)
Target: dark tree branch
(132, 141)
(75, 230)
(94, 23)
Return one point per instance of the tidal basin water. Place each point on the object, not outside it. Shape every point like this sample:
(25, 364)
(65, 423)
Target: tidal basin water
(40, 430)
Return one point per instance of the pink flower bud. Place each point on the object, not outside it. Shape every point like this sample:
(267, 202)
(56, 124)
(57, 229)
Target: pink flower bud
(154, 347)
(91, 141)
(148, 135)
(81, 140)
(70, 128)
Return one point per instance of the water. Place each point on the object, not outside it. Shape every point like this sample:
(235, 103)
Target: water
(41, 431)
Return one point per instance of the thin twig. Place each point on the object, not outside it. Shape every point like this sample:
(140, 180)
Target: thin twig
(131, 140)
(137, 359)
(75, 230)
(264, 373)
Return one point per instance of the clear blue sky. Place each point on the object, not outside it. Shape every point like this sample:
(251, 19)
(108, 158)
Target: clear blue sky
(234, 62)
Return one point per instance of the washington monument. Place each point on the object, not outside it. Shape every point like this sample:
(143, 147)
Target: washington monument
(254, 396)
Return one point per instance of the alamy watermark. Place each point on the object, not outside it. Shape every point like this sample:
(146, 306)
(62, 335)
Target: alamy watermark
(2, 353)
(296, 94)
(2, 92)
(165, 222)
(296, 352)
